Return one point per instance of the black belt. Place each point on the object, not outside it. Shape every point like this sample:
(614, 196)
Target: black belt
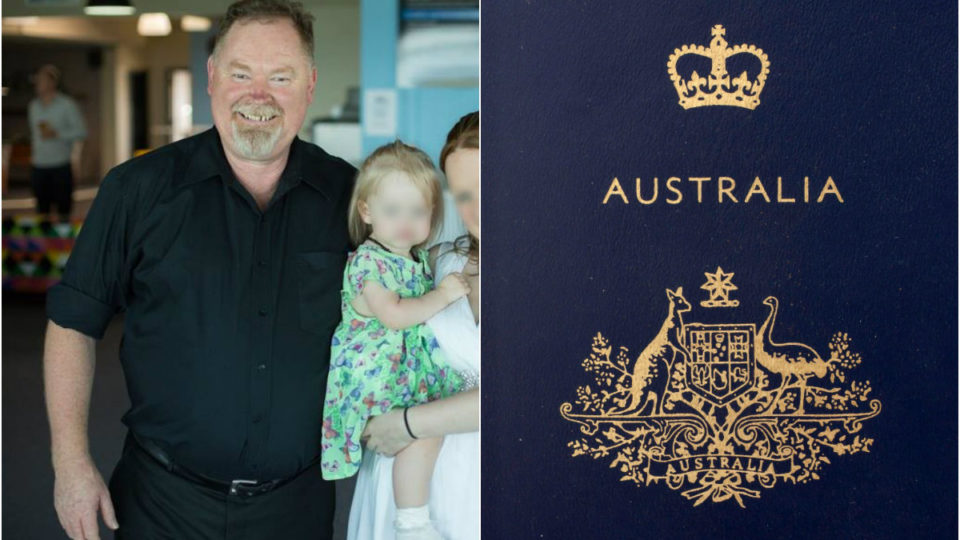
(234, 487)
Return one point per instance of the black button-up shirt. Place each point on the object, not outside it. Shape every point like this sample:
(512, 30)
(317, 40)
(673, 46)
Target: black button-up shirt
(229, 311)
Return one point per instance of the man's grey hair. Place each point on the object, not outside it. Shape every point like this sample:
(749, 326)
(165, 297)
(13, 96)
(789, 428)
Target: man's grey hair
(265, 10)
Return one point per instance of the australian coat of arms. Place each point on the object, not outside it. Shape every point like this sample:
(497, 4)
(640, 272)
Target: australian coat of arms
(719, 411)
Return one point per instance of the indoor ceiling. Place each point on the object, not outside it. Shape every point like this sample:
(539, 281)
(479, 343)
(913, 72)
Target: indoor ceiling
(35, 8)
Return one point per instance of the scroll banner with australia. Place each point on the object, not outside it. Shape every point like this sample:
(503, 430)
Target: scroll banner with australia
(720, 270)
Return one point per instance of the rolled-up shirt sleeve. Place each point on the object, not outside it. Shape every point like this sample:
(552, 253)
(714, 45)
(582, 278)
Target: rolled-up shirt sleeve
(92, 288)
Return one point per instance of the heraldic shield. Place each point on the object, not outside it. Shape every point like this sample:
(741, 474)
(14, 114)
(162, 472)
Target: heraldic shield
(721, 360)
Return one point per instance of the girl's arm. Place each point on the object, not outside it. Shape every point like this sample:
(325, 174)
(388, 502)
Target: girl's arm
(397, 313)
(386, 434)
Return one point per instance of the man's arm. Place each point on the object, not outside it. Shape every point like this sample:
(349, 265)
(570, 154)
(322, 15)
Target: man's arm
(80, 308)
(75, 128)
(32, 123)
(79, 491)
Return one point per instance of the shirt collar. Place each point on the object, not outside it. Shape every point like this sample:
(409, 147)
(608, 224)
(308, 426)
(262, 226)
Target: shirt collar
(207, 160)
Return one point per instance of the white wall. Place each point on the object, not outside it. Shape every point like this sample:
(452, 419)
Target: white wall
(160, 56)
(336, 33)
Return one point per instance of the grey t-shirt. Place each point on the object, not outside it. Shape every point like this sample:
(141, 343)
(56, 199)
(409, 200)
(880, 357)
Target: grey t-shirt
(64, 117)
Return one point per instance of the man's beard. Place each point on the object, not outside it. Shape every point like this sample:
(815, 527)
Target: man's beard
(256, 143)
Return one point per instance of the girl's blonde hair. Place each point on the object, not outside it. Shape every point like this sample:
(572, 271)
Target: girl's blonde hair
(396, 157)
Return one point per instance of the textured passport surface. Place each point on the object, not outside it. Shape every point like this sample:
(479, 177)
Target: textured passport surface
(720, 269)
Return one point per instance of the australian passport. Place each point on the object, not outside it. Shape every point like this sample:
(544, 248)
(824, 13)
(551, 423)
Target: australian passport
(720, 269)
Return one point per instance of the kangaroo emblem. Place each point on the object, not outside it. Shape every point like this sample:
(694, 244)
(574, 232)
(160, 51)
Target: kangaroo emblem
(662, 350)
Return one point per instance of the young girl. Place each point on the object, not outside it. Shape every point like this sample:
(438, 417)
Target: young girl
(383, 355)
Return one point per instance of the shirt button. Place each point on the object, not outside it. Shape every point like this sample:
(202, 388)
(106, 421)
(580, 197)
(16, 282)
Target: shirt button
(262, 367)
(263, 312)
(257, 419)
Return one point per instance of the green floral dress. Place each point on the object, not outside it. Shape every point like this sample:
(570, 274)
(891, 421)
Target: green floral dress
(372, 368)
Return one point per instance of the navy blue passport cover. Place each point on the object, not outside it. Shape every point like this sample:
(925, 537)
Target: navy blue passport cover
(859, 98)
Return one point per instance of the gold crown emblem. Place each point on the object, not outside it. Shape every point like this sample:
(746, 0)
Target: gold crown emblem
(718, 88)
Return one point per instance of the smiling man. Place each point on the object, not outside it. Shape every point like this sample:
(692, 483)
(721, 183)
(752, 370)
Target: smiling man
(225, 251)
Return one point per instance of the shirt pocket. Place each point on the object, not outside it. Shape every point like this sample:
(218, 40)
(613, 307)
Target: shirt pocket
(320, 274)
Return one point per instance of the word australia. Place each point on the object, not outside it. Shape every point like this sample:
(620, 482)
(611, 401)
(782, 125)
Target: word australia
(723, 189)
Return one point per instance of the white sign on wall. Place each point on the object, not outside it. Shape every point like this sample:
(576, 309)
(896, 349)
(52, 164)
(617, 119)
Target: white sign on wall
(380, 112)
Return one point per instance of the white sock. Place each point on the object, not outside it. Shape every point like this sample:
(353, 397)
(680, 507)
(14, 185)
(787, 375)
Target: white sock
(414, 524)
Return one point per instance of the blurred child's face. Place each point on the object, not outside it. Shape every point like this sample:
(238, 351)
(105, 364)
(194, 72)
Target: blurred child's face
(397, 212)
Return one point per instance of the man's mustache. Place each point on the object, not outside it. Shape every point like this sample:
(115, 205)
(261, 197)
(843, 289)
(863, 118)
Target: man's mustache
(264, 110)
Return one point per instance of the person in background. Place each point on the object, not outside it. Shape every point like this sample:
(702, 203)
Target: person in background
(55, 125)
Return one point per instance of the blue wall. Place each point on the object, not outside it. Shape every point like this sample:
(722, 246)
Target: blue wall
(424, 115)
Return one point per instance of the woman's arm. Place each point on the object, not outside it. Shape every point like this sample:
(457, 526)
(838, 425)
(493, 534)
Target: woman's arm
(386, 434)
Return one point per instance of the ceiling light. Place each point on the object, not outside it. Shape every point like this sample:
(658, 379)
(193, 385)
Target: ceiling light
(153, 24)
(192, 23)
(108, 7)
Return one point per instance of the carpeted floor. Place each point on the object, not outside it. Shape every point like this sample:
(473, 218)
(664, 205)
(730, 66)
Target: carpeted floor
(27, 475)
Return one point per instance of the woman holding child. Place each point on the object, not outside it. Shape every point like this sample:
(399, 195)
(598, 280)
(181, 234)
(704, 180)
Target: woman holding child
(404, 375)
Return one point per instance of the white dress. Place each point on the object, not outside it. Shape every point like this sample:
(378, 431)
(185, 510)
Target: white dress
(455, 488)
